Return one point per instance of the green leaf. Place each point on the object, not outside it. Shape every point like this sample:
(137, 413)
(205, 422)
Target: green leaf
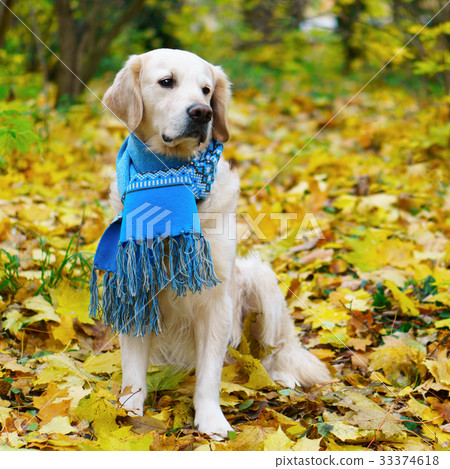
(165, 377)
(246, 404)
(409, 425)
(324, 429)
(33, 426)
(379, 298)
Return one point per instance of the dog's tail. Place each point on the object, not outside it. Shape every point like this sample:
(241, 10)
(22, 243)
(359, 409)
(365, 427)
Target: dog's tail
(286, 361)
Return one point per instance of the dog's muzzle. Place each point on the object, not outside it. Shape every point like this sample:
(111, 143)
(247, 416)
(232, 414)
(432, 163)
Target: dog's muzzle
(199, 118)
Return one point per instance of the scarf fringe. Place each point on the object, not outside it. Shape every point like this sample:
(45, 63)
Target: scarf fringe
(129, 299)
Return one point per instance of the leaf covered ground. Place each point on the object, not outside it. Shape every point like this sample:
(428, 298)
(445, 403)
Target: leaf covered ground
(363, 265)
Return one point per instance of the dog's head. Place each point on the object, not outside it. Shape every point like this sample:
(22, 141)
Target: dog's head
(173, 100)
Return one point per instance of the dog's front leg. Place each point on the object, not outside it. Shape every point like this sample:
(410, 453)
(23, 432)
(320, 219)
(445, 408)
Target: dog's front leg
(212, 332)
(135, 354)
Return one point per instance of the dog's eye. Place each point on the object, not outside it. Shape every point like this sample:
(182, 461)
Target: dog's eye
(205, 90)
(166, 82)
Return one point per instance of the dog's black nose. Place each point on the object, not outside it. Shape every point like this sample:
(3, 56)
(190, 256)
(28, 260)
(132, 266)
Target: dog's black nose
(200, 113)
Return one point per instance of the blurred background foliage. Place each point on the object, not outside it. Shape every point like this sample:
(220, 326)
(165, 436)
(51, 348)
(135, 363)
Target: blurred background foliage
(284, 50)
(273, 45)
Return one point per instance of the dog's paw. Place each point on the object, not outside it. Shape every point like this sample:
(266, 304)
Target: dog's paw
(214, 424)
(133, 404)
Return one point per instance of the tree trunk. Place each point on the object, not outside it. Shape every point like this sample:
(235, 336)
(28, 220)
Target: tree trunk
(84, 43)
(39, 47)
(5, 18)
(347, 18)
(68, 83)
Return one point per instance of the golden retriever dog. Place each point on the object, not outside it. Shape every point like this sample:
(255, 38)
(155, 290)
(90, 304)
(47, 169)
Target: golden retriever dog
(154, 94)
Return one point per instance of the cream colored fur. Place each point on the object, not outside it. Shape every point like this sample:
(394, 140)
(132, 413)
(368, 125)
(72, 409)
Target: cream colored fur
(197, 329)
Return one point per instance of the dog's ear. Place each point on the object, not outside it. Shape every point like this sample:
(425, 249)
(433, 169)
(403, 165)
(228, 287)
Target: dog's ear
(219, 104)
(124, 97)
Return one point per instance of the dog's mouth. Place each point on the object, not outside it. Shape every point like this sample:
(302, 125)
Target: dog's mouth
(196, 132)
(191, 132)
(196, 135)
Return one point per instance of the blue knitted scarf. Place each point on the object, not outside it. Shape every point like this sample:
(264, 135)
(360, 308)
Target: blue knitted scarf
(156, 241)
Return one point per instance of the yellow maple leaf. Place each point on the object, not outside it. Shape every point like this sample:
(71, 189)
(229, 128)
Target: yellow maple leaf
(440, 369)
(12, 439)
(123, 439)
(258, 376)
(305, 444)
(230, 387)
(359, 344)
(5, 225)
(70, 301)
(424, 412)
(5, 413)
(359, 300)
(366, 253)
(12, 365)
(370, 416)
(400, 363)
(106, 362)
(443, 298)
(277, 441)
(334, 446)
(326, 315)
(64, 332)
(406, 304)
(61, 368)
(346, 203)
(251, 438)
(100, 408)
(436, 433)
(295, 430)
(183, 415)
(336, 336)
(59, 424)
(52, 394)
(349, 433)
(45, 310)
(442, 323)
(14, 319)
